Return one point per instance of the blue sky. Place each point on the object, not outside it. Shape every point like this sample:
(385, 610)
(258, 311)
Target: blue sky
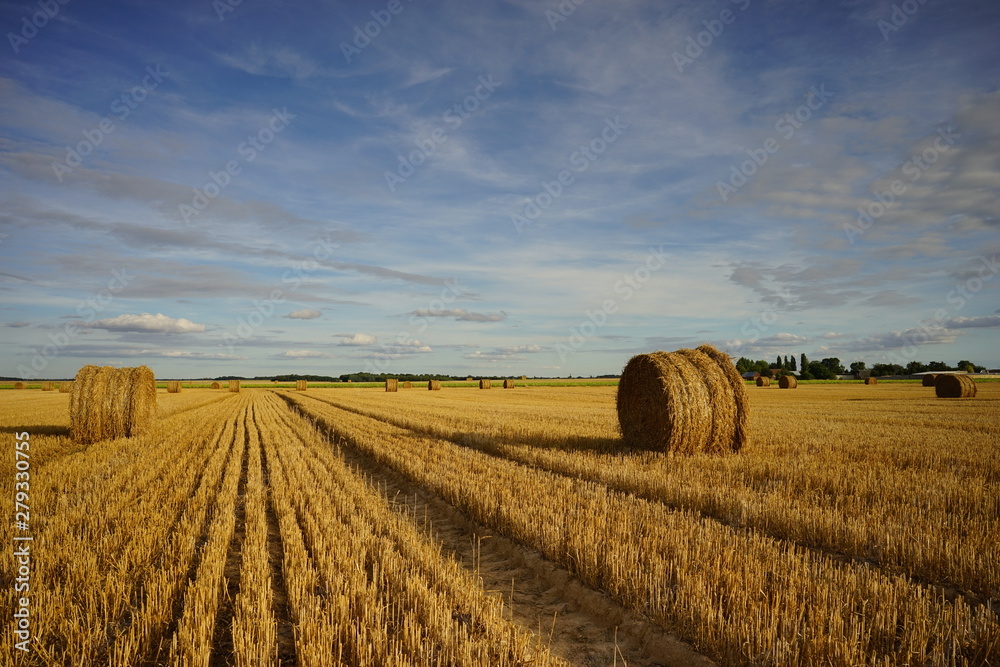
(505, 188)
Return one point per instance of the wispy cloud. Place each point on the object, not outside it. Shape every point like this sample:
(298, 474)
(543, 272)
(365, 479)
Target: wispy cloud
(146, 323)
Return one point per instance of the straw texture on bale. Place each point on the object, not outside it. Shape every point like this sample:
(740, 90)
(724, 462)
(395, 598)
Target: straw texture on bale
(763, 382)
(407, 384)
(871, 380)
(392, 384)
(788, 382)
(65, 387)
(485, 384)
(216, 385)
(173, 387)
(434, 385)
(955, 386)
(301, 385)
(686, 401)
(234, 386)
(20, 385)
(48, 386)
(108, 402)
(929, 381)
(508, 384)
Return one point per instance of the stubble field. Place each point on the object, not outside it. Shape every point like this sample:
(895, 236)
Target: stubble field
(352, 526)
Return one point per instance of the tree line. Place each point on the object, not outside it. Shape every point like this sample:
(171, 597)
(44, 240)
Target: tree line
(831, 367)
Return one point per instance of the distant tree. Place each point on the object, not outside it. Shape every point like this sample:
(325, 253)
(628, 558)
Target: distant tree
(916, 367)
(821, 371)
(778, 363)
(858, 366)
(966, 365)
(879, 370)
(744, 365)
(792, 363)
(804, 363)
(938, 366)
(833, 363)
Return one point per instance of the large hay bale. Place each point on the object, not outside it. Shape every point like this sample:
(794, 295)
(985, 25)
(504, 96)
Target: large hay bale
(763, 382)
(788, 382)
(48, 386)
(407, 384)
(508, 384)
(955, 386)
(216, 385)
(108, 402)
(871, 380)
(65, 387)
(391, 384)
(929, 380)
(20, 385)
(485, 384)
(234, 386)
(301, 385)
(173, 387)
(686, 401)
(434, 385)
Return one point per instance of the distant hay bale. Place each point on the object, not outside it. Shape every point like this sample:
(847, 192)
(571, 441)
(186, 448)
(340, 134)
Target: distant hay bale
(686, 401)
(407, 384)
(65, 387)
(234, 386)
(955, 386)
(301, 385)
(524, 377)
(108, 402)
(468, 379)
(392, 384)
(871, 380)
(20, 385)
(763, 382)
(48, 386)
(788, 382)
(216, 385)
(173, 387)
(434, 385)
(485, 384)
(508, 384)
(929, 381)
(350, 381)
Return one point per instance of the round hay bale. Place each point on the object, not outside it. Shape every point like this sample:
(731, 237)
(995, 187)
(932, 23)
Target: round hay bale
(524, 377)
(686, 401)
(108, 402)
(508, 384)
(301, 385)
(763, 382)
(173, 387)
(407, 384)
(48, 386)
(485, 384)
(788, 382)
(216, 385)
(955, 386)
(350, 381)
(65, 387)
(434, 385)
(392, 384)
(929, 380)
(234, 386)
(20, 385)
(469, 379)
(871, 380)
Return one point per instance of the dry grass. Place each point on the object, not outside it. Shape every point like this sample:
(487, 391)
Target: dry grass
(955, 386)
(111, 402)
(685, 401)
(788, 382)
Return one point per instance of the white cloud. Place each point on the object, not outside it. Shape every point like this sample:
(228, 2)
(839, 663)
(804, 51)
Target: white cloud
(357, 339)
(305, 354)
(461, 315)
(146, 323)
(304, 314)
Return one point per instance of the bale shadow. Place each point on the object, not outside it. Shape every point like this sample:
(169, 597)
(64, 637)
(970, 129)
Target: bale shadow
(39, 429)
